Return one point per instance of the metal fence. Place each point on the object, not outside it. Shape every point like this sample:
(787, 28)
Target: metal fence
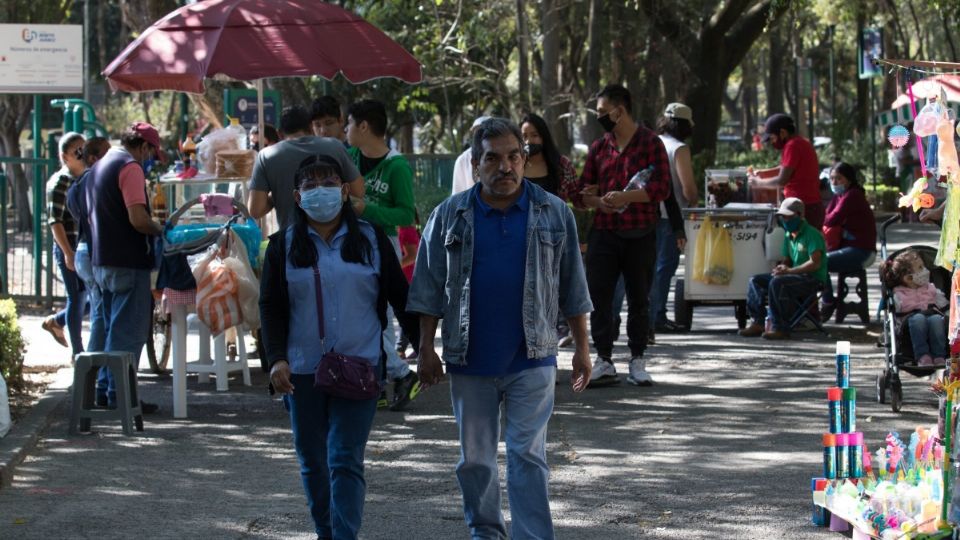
(36, 278)
(27, 267)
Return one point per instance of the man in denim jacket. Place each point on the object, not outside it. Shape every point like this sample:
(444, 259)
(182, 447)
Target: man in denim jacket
(496, 263)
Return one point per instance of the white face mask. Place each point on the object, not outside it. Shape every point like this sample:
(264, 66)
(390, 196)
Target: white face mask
(921, 278)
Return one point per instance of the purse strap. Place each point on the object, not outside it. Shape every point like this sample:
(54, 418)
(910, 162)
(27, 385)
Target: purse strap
(319, 295)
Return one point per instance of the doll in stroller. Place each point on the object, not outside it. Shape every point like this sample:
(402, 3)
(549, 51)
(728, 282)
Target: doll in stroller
(913, 309)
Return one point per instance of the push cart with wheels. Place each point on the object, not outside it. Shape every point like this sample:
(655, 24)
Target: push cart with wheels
(756, 243)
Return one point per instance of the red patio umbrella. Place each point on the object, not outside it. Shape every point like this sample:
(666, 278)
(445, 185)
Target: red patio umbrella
(255, 39)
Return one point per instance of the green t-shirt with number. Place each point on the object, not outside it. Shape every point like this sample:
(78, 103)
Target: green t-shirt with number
(807, 241)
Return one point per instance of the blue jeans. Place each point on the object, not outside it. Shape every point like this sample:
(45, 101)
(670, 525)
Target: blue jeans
(82, 262)
(928, 333)
(330, 436)
(848, 259)
(668, 259)
(124, 313)
(527, 399)
(783, 291)
(71, 316)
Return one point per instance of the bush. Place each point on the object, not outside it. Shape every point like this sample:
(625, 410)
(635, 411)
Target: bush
(12, 345)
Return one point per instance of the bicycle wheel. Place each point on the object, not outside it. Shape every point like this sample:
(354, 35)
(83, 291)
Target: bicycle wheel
(158, 342)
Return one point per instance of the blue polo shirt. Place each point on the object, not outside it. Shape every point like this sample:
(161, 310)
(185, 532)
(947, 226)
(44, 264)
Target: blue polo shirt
(497, 346)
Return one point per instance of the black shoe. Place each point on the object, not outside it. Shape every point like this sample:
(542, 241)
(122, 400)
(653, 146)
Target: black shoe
(826, 310)
(404, 391)
(100, 401)
(669, 327)
(651, 337)
(148, 408)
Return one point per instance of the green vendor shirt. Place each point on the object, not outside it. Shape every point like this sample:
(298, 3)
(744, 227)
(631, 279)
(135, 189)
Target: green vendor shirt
(807, 241)
(389, 191)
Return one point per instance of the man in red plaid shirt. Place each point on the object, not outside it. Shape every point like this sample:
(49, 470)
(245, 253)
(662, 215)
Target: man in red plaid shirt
(623, 237)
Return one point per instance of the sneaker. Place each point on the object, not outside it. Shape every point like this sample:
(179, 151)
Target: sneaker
(603, 374)
(826, 310)
(651, 337)
(925, 360)
(50, 325)
(565, 341)
(776, 334)
(404, 391)
(638, 372)
(382, 402)
(669, 327)
(148, 408)
(753, 330)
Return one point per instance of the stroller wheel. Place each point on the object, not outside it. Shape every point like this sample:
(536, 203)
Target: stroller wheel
(882, 387)
(896, 395)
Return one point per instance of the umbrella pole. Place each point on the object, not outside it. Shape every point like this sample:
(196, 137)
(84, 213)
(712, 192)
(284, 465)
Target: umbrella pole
(263, 138)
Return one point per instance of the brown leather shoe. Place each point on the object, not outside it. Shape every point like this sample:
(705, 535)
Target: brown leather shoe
(776, 334)
(55, 330)
(753, 330)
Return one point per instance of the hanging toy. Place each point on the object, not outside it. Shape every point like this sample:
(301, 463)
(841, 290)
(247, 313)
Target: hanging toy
(913, 111)
(898, 136)
(917, 197)
(947, 151)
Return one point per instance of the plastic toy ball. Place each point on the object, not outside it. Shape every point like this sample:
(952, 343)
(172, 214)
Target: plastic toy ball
(898, 136)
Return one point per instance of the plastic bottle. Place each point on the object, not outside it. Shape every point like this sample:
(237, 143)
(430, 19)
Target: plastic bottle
(855, 441)
(639, 181)
(843, 364)
(240, 133)
(848, 410)
(834, 396)
(843, 456)
(821, 516)
(159, 203)
(829, 455)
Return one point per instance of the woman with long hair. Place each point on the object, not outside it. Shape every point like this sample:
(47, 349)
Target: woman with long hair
(357, 272)
(546, 167)
(64, 229)
(849, 228)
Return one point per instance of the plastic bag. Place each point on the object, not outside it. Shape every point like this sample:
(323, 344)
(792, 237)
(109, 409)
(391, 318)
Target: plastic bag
(925, 124)
(213, 142)
(5, 421)
(713, 260)
(227, 291)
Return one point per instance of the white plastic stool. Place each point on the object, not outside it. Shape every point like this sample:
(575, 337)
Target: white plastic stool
(219, 366)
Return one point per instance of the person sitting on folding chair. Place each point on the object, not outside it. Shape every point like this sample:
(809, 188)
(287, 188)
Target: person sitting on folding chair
(799, 276)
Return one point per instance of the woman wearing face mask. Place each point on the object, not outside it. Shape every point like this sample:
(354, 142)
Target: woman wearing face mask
(64, 229)
(849, 228)
(545, 166)
(357, 271)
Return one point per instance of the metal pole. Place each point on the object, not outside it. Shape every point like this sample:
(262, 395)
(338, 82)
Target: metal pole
(833, 88)
(3, 233)
(37, 195)
(873, 134)
(86, 50)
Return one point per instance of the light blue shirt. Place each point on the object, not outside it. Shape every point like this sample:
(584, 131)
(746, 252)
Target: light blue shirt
(350, 291)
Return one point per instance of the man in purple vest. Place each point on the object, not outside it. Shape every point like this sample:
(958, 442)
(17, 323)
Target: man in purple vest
(121, 244)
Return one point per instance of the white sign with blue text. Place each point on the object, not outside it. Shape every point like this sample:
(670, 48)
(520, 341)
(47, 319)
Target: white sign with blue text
(41, 59)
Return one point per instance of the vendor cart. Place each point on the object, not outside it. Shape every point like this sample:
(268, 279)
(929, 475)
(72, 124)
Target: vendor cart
(756, 243)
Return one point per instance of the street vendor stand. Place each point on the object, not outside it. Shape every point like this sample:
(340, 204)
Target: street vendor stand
(755, 238)
(250, 40)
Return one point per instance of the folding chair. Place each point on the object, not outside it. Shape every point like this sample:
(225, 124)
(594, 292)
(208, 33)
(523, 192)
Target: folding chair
(803, 311)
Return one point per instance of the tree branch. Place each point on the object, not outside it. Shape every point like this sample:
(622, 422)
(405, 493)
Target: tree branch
(738, 41)
(665, 23)
(724, 19)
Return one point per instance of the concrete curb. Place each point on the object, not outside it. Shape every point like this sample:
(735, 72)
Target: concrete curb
(25, 433)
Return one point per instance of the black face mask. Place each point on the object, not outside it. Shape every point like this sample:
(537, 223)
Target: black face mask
(607, 123)
(256, 146)
(534, 149)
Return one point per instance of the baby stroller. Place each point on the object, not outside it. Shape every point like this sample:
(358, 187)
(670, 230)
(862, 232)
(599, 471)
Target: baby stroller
(896, 338)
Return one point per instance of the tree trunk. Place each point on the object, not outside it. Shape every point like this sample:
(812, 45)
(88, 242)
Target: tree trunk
(550, 98)
(405, 138)
(523, 55)
(19, 183)
(863, 85)
(775, 90)
(748, 92)
(591, 130)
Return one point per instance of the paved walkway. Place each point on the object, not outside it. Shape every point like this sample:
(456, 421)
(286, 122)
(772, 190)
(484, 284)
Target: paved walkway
(722, 447)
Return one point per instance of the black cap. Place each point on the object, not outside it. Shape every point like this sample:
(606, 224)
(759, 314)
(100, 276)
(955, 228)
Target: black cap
(775, 123)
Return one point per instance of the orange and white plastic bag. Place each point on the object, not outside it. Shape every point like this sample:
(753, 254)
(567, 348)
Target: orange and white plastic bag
(227, 291)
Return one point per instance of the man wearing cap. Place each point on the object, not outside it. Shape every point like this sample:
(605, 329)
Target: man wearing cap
(799, 171)
(800, 274)
(121, 245)
(463, 169)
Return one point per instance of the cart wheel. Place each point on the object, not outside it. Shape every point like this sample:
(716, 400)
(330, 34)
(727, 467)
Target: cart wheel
(682, 310)
(882, 387)
(896, 394)
(158, 343)
(740, 311)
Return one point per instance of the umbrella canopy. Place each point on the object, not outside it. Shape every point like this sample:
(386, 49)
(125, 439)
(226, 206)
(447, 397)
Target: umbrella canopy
(254, 39)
